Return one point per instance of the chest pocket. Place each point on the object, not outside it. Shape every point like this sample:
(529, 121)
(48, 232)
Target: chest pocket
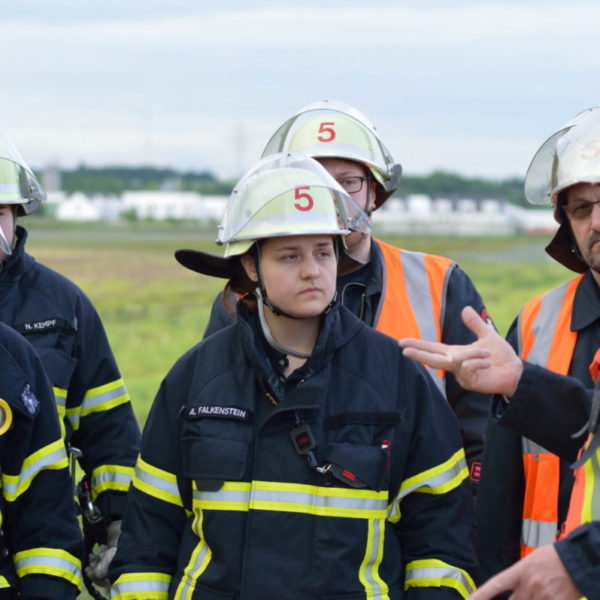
(359, 448)
(215, 447)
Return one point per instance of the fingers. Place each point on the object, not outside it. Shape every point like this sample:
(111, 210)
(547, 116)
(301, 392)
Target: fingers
(474, 322)
(437, 361)
(504, 581)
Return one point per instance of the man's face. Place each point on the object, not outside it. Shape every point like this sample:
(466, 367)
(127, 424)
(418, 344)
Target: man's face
(340, 169)
(583, 212)
(7, 225)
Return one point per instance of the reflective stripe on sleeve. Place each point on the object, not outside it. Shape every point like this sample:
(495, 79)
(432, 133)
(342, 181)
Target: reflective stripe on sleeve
(4, 582)
(115, 478)
(104, 397)
(156, 482)
(49, 561)
(141, 586)
(535, 534)
(437, 480)
(52, 456)
(435, 573)
(293, 497)
(60, 399)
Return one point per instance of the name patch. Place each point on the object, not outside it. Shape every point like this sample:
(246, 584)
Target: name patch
(215, 412)
(44, 325)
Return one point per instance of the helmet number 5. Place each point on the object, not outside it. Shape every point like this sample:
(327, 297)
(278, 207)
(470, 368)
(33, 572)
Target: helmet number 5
(299, 195)
(326, 128)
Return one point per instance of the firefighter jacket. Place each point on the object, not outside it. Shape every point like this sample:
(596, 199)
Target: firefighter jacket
(411, 294)
(60, 322)
(40, 541)
(226, 501)
(521, 507)
(561, 431)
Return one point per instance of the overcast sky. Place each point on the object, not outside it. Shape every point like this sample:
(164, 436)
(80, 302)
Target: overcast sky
(468, 86)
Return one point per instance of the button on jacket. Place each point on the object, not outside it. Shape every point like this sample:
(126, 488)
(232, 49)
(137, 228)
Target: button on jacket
(40, 545)
(419, 295)
(55, 316)
(223, 505)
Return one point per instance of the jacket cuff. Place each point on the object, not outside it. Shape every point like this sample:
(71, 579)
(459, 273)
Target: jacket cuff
(43, 586)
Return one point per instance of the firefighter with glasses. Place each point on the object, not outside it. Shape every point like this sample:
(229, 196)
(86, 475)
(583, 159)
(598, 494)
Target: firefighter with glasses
(295, 453)
(61, 323)
(395, 291)
(40, 543)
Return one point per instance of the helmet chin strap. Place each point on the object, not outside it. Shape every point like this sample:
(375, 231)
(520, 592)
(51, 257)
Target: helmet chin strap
(262, 300)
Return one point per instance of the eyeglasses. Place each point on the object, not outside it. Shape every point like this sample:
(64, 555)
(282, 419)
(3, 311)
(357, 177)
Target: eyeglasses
(352, 184)
(578, 211)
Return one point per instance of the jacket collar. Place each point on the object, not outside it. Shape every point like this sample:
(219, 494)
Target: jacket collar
(19, 261)
(586, 304)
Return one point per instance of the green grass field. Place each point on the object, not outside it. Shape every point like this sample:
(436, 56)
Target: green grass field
(154, 309)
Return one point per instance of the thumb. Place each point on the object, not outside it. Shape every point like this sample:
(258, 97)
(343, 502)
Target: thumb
(474, 322)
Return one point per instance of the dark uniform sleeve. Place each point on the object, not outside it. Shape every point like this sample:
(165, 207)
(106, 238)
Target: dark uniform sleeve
(537, 410)
(154, 518)
(220, 317)
(41, 533)
(471, 408)
(433, 506)
(101, 416)
(580, 554)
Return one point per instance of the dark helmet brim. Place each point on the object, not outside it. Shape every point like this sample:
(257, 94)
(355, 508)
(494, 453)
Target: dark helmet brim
(207, 264)
(562, 249)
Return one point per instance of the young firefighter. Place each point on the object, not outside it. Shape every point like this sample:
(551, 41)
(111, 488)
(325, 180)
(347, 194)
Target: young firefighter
(395, 291)
(60, 322)
(296, 453)
(40, 543)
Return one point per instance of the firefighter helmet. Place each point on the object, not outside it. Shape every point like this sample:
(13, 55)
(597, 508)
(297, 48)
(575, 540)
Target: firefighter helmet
(567, 157)
(285, 194)
(337, 130)
(18, 184)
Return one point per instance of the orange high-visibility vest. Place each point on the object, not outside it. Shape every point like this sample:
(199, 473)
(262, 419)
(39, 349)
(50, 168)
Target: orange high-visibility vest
(413, 297)
(584, 505)
(545, 338)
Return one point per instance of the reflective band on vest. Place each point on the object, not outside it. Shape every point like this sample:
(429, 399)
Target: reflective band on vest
(413, 297)
(585, 497)
(545, 338)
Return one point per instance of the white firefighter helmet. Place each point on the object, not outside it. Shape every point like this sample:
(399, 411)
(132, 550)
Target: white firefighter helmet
(285, 194)
(567, 157)
(335, 129)
(18, 184)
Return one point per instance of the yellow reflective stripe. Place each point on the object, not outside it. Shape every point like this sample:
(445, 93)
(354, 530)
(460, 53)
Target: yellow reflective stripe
(294, 497)
(73, 417)
(588, 495)
(48, 561)
(60, 399)
(104, 397)
(52, 456)
(4, 582)
(440, 479)
(156, 483)
(197, 564)
(368, 574)
(116, 478)
(436, 573)
(141, 586)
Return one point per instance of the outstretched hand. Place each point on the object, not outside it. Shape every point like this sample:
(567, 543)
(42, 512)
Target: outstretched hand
(488, 365)
(539, 576)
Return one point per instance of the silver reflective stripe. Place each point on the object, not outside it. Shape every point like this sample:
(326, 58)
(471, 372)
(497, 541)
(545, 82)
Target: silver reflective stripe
(436, 481)
(111, 477)
(530, 447)
(92, 401)
(156, 482)
(131, 587)
(434, 574)
(538, 533)
(46, 560)
(544, 325)
(10, 188)
(419, 296)
(11, 488)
